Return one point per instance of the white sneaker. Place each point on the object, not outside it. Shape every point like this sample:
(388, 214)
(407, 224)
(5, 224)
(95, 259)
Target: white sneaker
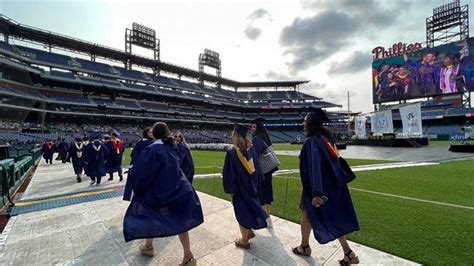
(92, 183)
(269, 222)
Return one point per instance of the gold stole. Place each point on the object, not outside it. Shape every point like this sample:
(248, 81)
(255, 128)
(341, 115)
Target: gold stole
(248, 165)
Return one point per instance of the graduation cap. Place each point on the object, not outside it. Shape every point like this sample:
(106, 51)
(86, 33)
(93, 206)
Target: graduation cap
(317, 116)
(94, 134)
(259, 121)
(85, 138)
(241, 130)
(77, 138)
(115, 133)
(106, 136)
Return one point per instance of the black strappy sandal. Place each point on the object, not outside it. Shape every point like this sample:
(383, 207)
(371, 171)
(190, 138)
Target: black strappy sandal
(190, 262)
(347, 260)
(306, 251)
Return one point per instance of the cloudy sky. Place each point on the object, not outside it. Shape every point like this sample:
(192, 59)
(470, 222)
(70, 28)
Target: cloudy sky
(327, 42)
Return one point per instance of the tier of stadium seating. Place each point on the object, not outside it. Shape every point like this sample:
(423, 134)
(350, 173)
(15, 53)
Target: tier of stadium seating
(86, 66)
(443, 130)
(130, 134)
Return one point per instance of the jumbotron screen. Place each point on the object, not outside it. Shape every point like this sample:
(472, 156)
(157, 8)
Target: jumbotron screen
(445, 69)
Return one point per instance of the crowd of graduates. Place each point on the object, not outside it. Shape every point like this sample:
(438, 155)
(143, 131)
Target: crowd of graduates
(92, 155)
(164, 203)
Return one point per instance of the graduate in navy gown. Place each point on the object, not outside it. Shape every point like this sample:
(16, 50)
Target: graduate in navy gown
(76, 157)
(63, 148)
(136, 151)
(164, 203)
(186, 158)
(261, 141)
(85, 143)
(241, 180)
(48, 151)
(94, 158)
(326, 203)
(115, 147)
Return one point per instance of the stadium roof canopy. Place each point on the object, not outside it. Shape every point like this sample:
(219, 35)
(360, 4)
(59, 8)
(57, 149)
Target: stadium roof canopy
(24, 32)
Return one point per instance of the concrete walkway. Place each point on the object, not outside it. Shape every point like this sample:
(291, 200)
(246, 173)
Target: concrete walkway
(90, 233)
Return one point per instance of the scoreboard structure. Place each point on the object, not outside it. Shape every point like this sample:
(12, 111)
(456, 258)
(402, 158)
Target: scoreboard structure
(142, 36)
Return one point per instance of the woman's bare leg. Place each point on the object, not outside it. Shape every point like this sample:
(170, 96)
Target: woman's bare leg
(184, 239)
(149, 243)
(305, 229)
(245, 234)
(344, 244)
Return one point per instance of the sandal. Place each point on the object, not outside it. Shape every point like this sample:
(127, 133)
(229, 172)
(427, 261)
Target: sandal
(146, 251)
(240, 244)
(251, 235)
(348, 260)
(306, 251)
(190, 262)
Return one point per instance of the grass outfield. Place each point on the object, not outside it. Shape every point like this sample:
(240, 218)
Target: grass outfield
(443, 143)
(419, 231)
(286, 147)
(208, 162)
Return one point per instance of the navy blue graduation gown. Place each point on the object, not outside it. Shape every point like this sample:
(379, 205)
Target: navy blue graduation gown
(164, 202)
(63, 148)
(48, 151)
(266, 191)
(186, 161)
(73, 157)
(85, 149)
(137, 150)
(321, 174)
(95, 159)
(114, 160)
(244, 188)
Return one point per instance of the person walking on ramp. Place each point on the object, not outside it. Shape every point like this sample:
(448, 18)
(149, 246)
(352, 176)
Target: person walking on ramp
(115, 148)
(186, 158)
(241, 180)
(326, 203)
(48, 151)
(164, 203)
(262, 143)
(95, 157)
(76, 157)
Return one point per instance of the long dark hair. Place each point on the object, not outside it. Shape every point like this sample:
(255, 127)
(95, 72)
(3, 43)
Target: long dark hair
(161, 131)
(263, 133)
(317, 129)
(145, 133)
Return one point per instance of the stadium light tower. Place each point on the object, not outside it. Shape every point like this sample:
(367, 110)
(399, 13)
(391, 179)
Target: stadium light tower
(142, 36)
(211, 59)
(448, 22)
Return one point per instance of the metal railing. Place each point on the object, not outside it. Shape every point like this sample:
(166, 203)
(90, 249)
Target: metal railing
(14, 171)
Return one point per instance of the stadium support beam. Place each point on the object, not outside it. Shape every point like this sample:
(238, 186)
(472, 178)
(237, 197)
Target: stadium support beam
(211, 59)
(142, 36)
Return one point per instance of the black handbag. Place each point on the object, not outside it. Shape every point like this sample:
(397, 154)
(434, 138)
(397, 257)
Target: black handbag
(345, 166)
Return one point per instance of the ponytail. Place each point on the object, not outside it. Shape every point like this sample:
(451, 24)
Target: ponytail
(161, 131)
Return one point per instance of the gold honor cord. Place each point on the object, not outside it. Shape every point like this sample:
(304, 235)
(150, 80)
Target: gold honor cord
(248, 165)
